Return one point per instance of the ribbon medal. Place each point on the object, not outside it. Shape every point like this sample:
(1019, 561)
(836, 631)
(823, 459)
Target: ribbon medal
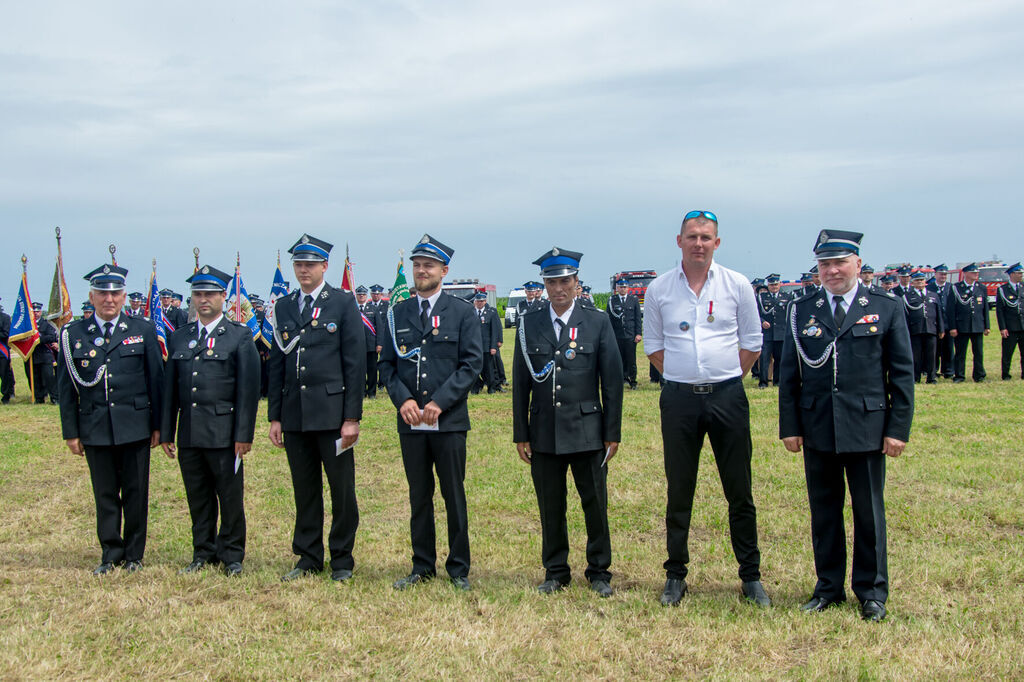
(711, 308)
(574, 332)
(435, 322)
(316, 314)
(210, 343)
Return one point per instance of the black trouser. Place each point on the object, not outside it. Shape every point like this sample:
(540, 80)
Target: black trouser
(210, 478)
(44, 379)
(422, 453)
(770, 350)
(865, 475)
(655, 374)
(499, 369)
(945, 355)
(591, 479)
(371, 374)
(977, 342)
(724, 416)
(264, 375)
(627, 349)
(308, 451)
(1014, 340)
(923, 347)
(6, 378)
(120, 485)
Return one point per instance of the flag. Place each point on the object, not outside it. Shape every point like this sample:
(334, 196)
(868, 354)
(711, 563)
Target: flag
(278, 289)
(348, 281)
(59, 308)
(239, 308)
(24, 333)
(400, 291)
(156, 314)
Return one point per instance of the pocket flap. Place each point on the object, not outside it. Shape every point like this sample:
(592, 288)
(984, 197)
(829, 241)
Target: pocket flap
(873, 403)
(590, 407)
(141, 402)
(866, 329)
(335, 387)
(806, 401)
(224, 408)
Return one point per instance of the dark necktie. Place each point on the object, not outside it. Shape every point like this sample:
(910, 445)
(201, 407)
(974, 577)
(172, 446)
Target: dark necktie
(840, 313)
(561, 326)
(425, 308)
(108, 328)
(307, 308)
(202, 337)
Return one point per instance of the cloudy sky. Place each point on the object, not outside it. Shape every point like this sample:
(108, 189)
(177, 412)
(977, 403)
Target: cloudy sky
(503, 129)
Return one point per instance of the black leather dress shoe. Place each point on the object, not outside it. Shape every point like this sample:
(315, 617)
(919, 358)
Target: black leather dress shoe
(461, 583)
(673, 592)
(753, 591)
(602, 587)
(296, 573)
(104, 568)
(411, 580)
(133, 566)
(233, 568)
(820, 604)
(194, 567)
(872, 610)
(551, 586)
(340, 575)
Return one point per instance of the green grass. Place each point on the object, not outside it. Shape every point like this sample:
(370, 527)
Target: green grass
(956, 563)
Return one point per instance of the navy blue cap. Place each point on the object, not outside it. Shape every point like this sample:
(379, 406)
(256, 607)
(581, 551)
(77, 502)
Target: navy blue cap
(136, 296)
(480, 296)
(903, 271)
(177, 297)
(773, 278)
(941, 267)
(107, 277)
(309, 248)
(806, 277)
(622, 282)
(1016, 267)
(362, 290)
(428, 247)
(165, 292)
(814, 269)
(837, 244)
(559, 263)
(918, 274)
(888, 277)
(88, 306)
(376, 289)
(586, 288)
(208, 278)
(867, 268)
(970, 267)
(533, 285)
(37, 306)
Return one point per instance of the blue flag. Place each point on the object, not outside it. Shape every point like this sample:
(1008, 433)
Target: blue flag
(155, 313)
(239, 306)
(279, 289)
(24, 334)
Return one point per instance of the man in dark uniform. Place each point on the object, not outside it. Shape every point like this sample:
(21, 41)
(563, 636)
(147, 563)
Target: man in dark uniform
(847, 399)
(627, 323)
(314, 404)
(967, 317)
(380, 306)
(111, 385)
(371, 323)
(211, 391)
(431, 357)
(903, 284)
(567, 414)
(1010, 316)
(945, 344)
(499, 364)
(259, 308)
(924, 318)
(6, 374)
(887, 282)
(42, 359)
(175, 316)
(772, 308)
(490, 342)
(135, 303)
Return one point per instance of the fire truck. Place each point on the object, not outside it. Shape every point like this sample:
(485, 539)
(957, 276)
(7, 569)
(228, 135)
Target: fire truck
(991, 273)
(638, 280)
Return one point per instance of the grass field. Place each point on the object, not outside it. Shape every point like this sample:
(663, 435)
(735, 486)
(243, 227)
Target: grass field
(956, 563)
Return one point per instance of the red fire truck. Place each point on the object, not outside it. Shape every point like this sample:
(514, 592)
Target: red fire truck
(638, 280)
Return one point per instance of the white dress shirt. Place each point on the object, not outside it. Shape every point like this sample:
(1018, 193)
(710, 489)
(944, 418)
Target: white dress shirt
(704, 352)
(315, 293)
(432, 299)
(564, 317)
(210, 328)
(847, 300)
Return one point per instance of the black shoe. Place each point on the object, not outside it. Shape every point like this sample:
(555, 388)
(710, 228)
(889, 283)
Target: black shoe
(411, 580)
(673, 593)
(1006, 378)
(104, 568)
(633, 386)
(341, 575)
(958, 380)
(233, 569)
(762, 385)
(296, 573)
(820, 604)
(978, 381)
(602, 588)
(753, 591)
(551, 586)
(872, 610)
(931, 381)
(194, 567)
(461, 583)
(133, 566)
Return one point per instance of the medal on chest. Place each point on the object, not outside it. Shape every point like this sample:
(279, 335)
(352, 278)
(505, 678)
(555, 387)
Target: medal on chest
(811, 328)
(315, 315)
(210, 343)
(711, 311)
(435, 322)
(574, 332)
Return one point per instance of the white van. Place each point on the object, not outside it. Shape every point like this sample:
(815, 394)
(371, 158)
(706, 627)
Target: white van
(515, 296)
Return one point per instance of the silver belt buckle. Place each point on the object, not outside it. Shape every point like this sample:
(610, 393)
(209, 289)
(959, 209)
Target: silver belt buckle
(703, 388)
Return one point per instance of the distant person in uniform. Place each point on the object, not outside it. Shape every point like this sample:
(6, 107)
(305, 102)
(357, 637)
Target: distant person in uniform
(867, 275)
(967, 315)
(807, 280)
(945, 345)
(175, 316)
(371, 323)
(111, 386)
(703, 331)
(847, 399)
(6, 373)
(135, 304)
(903, 283)
(42, 359)
(773, 326)
(567, 414)
(431, 358)
(925, 321)
(381, 309)
(888, 282)
(314, 405)
(490, 339)
(87, 310)
(211, 393)
(627, 323)
(1010, 317)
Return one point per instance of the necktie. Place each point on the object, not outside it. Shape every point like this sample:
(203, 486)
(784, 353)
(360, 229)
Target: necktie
(560, 326)
(108, 328)
(307, 308)
(202, 336)
(425, 307)
(840, 313)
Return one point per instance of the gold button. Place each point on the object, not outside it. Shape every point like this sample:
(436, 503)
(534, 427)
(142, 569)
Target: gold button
(424, 392)
(557, 353)
(303, 331)
(195, 374)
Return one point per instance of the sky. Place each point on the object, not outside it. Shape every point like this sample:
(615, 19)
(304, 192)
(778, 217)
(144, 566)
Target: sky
(503, 129)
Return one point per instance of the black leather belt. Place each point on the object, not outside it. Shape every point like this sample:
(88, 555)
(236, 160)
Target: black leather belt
(704, 388)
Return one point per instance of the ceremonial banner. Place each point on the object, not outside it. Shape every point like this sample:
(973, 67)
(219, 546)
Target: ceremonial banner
(156, 314)
(278, 289)
(240, 308)
(24, 333)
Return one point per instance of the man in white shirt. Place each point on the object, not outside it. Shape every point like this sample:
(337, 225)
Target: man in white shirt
(703, 332)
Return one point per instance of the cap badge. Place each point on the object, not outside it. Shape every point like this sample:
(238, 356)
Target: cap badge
(554, 251)
(106, 269)
(823, 238)
(425, 240)
(305, 239)
(206, 269)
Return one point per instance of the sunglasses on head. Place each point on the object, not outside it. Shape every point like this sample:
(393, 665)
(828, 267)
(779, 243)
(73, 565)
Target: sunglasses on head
(700, 214)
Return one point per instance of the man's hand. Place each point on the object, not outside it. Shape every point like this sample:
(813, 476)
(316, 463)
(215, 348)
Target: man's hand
(75, 446)
(430, 413)
(154, 439)
(525, 453)
(410, 412)
(610, 450)
(793, 443)
(242, 449)
(636, 339)
(1005, 333)
(379, 349)
(657, 358)
(893, 447)
(493, 351)
(765, 324)
(275, 435)
(169, 449)
(499, 344)
(952, 333)
(986, 332)
(349, 433)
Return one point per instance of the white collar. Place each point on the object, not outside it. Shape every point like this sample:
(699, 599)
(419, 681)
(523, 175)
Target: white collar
(100, 321)
(564, 317)
(432, 299)
(315, 293)
(209, 327)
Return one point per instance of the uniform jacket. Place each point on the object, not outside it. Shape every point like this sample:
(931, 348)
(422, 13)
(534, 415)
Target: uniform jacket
(5, 327)
(971, 316)
(176, 316)
(319, 382)
(924, 313)
(773, 311)
(578, 407)
(852, 401)
(447, 365)
(1009, 313)
(47, 335)
(943, 293)
(490, 328)
(123, 406)
(627, 322)
(215, 390)
(370, 310)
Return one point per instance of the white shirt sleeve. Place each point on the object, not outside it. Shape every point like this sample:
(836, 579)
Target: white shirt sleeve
(748, 322)
(654, 336)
